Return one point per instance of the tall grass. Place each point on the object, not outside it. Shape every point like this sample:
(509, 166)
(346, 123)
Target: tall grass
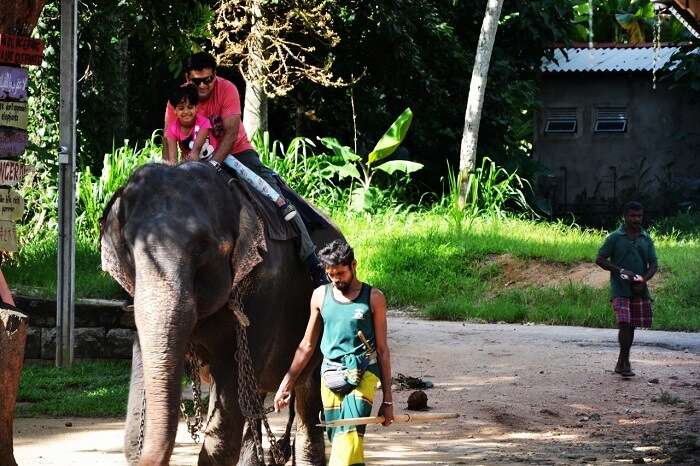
(94, 192)
(308, 174)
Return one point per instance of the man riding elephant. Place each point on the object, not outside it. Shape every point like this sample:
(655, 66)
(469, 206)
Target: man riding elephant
(220, 102)
(192, 249)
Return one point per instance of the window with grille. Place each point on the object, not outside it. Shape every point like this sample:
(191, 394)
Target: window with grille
(611, 120)
(560, 120)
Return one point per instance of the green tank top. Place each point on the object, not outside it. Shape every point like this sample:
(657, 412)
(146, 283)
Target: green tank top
(341, 322)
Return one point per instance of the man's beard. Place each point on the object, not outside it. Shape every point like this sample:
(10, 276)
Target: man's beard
(344, 286)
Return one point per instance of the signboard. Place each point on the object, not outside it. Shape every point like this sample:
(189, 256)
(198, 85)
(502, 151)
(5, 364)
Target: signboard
(12, 172)
(12, 142)
(13, 114)
(11, 205)
(8, 236)
(13, 83)
(20, 50)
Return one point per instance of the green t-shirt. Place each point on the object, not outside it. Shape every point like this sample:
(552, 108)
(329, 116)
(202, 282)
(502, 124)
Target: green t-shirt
(635, 255)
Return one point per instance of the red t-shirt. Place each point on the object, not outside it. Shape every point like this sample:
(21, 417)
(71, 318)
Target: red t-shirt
(224, 101)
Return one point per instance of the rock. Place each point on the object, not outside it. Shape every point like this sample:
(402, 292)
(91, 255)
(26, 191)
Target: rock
(594, 417)
(118, 343)
(654, 380)
(589, 459)
(68, 424)
(32, 350)
(418, 401)
(639, 460)
(48, 343)
(89, 343)
(549, 412)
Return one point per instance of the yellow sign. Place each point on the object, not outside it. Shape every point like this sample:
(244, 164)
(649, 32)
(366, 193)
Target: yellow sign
(11, 205)
(13, 114)
(8, 236)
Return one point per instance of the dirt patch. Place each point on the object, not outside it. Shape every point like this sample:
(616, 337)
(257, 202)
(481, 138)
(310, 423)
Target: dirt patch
(526, 394)
(523, 273)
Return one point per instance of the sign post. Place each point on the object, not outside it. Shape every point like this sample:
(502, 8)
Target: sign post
(66, 185)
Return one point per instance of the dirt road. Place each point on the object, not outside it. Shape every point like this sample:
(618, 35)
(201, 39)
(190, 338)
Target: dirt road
(526, 395)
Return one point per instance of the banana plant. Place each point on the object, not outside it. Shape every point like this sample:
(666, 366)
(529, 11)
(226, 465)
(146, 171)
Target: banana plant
(347, 164)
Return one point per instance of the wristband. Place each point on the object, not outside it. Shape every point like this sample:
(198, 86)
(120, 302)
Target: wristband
(388, 403)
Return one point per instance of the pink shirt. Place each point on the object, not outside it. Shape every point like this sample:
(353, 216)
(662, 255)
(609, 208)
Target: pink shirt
(224, 101)
(184, 136)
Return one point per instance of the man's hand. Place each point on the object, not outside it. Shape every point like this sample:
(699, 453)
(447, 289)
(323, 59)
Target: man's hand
(282, 396)
(386, 410)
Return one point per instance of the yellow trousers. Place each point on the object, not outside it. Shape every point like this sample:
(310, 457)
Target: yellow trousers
(347, 442)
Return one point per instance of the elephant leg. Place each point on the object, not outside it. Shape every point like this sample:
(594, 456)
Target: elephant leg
(134, 413)
(249, 456)
(309, 443)
(223, 434)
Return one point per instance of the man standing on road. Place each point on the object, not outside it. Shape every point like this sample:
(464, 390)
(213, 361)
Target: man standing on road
(629, 254)
(350, 318)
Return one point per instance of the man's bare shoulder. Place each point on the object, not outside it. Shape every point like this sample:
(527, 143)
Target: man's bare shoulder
(377, 296)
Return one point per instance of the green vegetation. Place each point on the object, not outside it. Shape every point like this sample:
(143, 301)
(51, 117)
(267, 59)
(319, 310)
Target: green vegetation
(420, 260)
(89, 389)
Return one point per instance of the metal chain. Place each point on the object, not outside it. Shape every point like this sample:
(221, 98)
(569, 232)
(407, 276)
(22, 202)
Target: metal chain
(142, 428)
(248, 398)
(195, 422)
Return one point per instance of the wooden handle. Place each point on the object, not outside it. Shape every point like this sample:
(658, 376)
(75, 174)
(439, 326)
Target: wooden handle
(415, 418)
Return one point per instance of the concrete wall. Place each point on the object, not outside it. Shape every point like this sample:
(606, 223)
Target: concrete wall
(663, 136)
(103, 329)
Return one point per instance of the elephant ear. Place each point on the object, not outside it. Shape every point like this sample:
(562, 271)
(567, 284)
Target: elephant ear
(116, 258)
(250, 248)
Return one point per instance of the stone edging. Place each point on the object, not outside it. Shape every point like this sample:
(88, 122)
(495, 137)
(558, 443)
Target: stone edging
(104, 329)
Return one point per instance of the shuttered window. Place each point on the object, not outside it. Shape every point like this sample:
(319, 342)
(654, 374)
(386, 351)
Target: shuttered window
(611, 120)
(560, 120)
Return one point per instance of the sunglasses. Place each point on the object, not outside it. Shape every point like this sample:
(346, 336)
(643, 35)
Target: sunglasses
(206, 81)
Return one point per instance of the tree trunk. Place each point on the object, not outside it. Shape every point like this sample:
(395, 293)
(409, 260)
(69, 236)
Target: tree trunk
(477, 89)
(13, 336)
(255, 109)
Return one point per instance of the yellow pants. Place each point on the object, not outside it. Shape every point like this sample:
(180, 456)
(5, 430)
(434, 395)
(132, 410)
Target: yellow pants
(347, 442)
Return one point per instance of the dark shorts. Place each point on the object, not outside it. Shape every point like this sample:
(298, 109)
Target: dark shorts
(634, 311)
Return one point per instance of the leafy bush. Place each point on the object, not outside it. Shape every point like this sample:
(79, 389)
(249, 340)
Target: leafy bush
(491, 190)
(306, 173)
(366, 197)
(94, 192)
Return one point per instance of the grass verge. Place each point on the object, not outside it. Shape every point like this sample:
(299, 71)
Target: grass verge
(419, 260)
(88, 389)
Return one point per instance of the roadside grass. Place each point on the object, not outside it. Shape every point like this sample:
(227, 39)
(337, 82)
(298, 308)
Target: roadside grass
(33, 270)
(420, 260)
(87, 389)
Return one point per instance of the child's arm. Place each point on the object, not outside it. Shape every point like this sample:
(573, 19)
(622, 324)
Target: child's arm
(198, 143)
(171, 154)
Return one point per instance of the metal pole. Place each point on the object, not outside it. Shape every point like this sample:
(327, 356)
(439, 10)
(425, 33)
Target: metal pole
(66, 185)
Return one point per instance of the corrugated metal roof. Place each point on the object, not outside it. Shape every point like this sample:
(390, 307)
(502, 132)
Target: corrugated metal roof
(606, 59)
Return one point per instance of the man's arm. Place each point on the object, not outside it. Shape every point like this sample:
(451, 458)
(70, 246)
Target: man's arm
(304, 351)
(231, 125)
(378, 304)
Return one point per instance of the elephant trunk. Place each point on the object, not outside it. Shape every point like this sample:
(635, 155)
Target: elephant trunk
(165, 314)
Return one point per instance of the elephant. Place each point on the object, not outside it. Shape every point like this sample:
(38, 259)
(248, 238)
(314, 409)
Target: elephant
(179, 239)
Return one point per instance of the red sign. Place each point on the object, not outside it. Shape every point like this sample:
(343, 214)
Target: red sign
(13, 83)
(12, 142)
(20, 50)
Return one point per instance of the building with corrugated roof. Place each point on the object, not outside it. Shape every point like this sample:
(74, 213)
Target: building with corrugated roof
(607, 136)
